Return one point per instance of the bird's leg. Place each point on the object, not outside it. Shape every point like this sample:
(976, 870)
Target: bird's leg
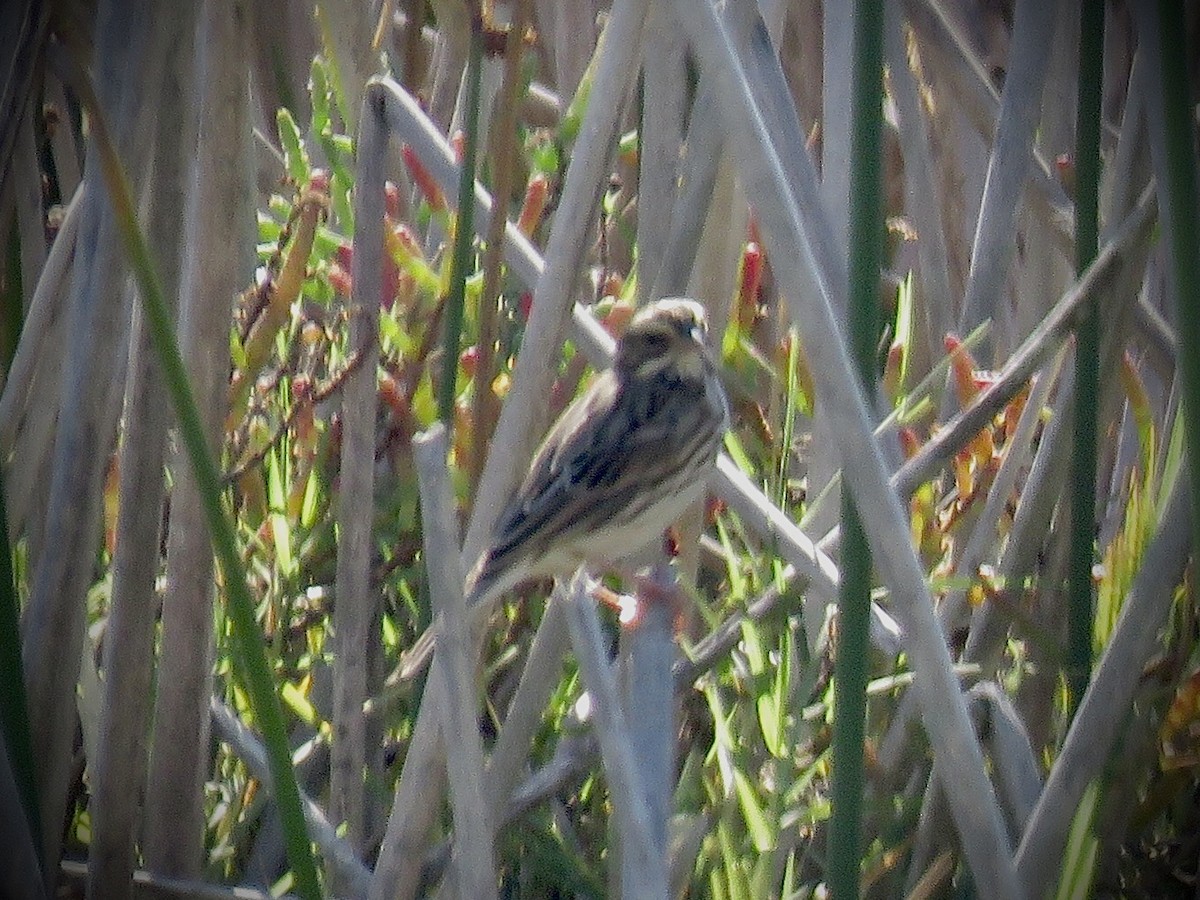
(625, 605)
(656, 586)
(648, 587)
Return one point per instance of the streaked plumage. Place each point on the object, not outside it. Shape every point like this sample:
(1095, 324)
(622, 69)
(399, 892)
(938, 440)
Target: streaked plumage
(619, 466)
(622, 462)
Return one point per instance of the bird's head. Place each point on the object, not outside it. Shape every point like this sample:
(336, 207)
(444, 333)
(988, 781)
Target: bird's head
(667, 334)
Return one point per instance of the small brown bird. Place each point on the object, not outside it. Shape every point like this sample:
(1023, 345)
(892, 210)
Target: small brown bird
(622, 462)
(619, 466)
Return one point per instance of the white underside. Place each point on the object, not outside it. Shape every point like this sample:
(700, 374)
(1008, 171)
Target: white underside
(623, 543)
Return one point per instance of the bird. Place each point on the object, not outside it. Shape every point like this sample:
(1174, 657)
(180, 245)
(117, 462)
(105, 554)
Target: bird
(618, 467)
(622, 462)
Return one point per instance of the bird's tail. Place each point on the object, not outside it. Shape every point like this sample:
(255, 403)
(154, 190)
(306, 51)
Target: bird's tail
(483, 584)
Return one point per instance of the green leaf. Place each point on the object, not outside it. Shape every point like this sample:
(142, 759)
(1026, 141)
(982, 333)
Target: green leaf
(762, 874)
(769, 711)
(237, 352)
(760, 829)
(572, 119)
(793, 400)
(268, 230)
(392, 336)
(326, 241)
(1174, 459)
(733, 569)
(295, 700)
(737, 884)
(752, 646)
(737, 452)
(783, 678)
(424, 405)
(543, 157)
(905, 321)
(339, 199)
(344, 144)
(281, 531)
(295, 157)
(629, 142)
(311, 503)
(1079, 858)
(318, 90)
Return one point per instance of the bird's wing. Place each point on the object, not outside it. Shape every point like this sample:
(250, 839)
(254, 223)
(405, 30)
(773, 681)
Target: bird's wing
(540, 506)
(598, 444)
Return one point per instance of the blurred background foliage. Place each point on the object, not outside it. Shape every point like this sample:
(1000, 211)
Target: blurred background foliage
(964, 201)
